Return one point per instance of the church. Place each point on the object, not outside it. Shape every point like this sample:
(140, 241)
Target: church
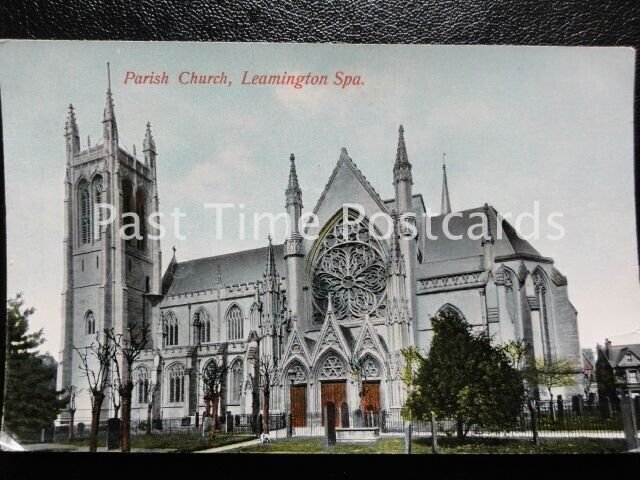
(332, 296)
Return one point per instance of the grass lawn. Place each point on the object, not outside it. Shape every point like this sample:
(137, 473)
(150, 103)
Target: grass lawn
(447, 445)
(178, 443)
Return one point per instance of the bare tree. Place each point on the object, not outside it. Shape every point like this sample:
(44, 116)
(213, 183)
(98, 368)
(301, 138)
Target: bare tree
(114, 386)
(127, 349)
(267, 377)
(150, 392)
(212, 376)
(72, 410)
(97, 374)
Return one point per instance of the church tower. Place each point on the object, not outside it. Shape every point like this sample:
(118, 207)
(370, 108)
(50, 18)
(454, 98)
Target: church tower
(111, 268)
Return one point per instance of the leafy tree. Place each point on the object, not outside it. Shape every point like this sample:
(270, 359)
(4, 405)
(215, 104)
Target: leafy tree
(31, 399)
(554, 373)
(464, 377)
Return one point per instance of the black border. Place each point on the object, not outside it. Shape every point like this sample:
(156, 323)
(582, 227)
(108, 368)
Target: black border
(502, 22)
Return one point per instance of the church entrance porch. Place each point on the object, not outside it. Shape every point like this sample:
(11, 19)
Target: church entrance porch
(299, 405)
(336, 393)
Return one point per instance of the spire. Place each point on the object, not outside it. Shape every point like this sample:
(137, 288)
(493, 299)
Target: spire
(271, 261)
(71, 131)
(149, 144)
(402, 167)
(71, 125)
(109, 117)
(293, 193)
(109, 113)
(445, 204)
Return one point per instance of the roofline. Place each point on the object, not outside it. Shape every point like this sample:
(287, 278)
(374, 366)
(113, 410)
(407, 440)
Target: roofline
(229, 254)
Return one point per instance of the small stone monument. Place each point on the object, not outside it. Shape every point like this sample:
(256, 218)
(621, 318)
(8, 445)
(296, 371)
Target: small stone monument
(113, 433)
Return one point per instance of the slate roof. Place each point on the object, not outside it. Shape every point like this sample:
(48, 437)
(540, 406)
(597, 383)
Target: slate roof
(446, 255)
(618, 353)
(238, 267)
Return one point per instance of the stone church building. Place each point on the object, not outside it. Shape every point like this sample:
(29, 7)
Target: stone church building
(318, 307)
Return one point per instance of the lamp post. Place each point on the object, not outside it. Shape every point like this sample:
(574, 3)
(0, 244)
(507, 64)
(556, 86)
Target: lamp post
(292, 379)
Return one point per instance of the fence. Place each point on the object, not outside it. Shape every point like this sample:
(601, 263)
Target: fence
(559, 419)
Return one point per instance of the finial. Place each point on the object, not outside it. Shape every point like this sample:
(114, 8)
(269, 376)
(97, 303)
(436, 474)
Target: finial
(174, 250)
(329, 304)
(134, 150)
(445, 202)
(269, 238)
(108, 76)
(401, 130)
(88, 141)
(292, 157)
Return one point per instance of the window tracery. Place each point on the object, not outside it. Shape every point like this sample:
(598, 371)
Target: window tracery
(349, 266)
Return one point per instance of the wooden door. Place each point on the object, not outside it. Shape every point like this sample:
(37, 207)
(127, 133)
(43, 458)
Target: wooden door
(299, 405)
(371, 396)
(335, 392)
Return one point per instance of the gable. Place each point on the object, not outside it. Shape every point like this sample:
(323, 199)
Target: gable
(347, 185)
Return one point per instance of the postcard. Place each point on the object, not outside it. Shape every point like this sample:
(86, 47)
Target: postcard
(243, 247)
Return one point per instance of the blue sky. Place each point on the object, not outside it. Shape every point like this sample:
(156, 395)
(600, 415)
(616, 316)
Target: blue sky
(518, 124)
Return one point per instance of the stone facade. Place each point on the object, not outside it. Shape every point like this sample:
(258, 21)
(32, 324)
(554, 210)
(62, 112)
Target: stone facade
(318, 306)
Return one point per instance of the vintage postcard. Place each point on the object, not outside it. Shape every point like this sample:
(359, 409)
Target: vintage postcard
(319, 248)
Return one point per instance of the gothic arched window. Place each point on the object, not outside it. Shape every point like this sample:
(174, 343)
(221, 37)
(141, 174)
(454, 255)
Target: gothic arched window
(234, 323)
(98, 188)
(254, 317)
(235, 383)
(84, 211)
(141, 378)
(175, 377)
(349, 265)
(202, 325)
(170, 333)
(370, 367)
(90, 323)
(297, 371)
(127, 208)
(141, 211)
(449, 309)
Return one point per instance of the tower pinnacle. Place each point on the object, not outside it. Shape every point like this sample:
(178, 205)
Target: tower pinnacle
(271, 261)
(402, 167)
(445, 204)
(149, 143)
(72, 133)
(293, 193)
(110, 130)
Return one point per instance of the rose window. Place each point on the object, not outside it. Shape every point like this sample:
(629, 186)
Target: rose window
(350, 268)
